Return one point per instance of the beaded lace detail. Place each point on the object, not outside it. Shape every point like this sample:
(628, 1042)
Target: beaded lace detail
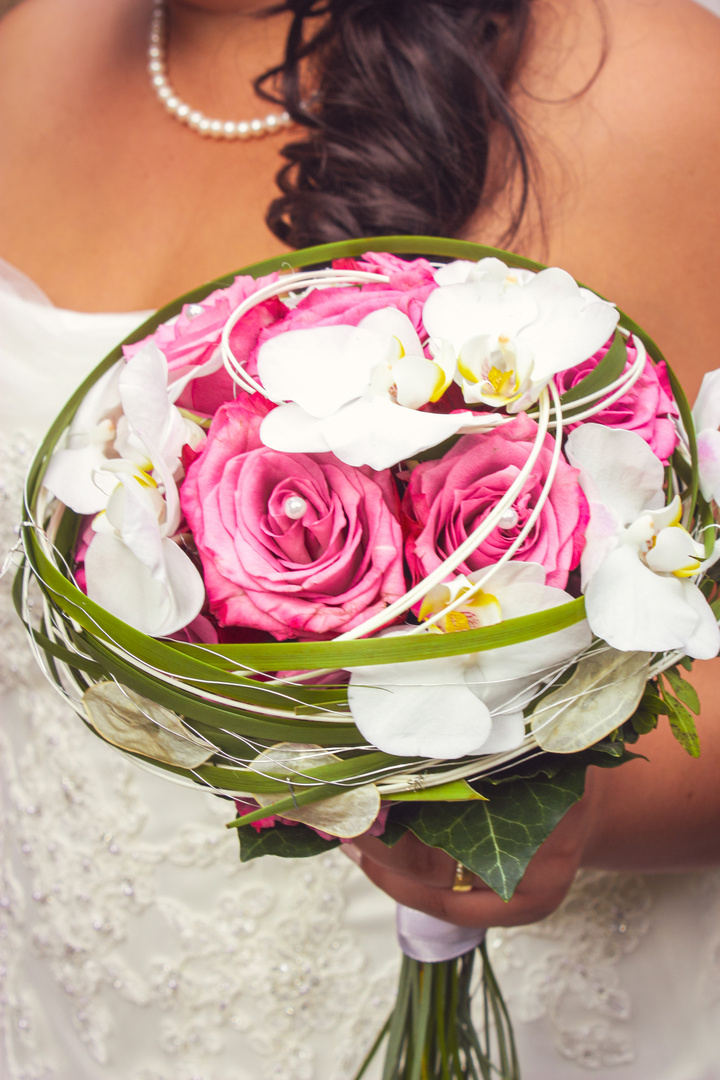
(122, 923)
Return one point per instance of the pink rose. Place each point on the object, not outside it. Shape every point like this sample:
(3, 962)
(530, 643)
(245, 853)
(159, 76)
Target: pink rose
(403, 273)
(647, 407)
(447, 499)
(193, 339)
(336, 562)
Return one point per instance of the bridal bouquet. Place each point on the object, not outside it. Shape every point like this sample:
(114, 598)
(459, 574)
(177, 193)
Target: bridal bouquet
(386, 543)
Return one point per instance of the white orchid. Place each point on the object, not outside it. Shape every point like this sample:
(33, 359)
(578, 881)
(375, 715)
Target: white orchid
(356, 390)
(706, 417)
(133, 568)
(512, 329)
(473, 703)
(121, 462)
(638, 560)
(126, 422)
(152, 429)
(73, 473)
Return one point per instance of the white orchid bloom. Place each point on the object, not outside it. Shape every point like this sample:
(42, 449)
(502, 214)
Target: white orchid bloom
(706, 417)
(356, 390)
(133, 569)
(469, 704)
(126, 422)
(152, 429)
(73, 474)
(638, 559)
(512, 330)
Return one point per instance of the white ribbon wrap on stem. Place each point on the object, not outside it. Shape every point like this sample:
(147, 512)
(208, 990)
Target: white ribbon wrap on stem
(432, 941)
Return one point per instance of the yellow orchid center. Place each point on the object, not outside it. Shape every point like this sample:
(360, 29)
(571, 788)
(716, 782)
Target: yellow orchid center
(482, 609)
(501, 380)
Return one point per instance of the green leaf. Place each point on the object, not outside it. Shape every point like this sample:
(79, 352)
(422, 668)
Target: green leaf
(610, 367)
(285, 841)
(497, 839)
(683, 728)
(454, 791)
(651, 702)
(644, 722)
(684, 691)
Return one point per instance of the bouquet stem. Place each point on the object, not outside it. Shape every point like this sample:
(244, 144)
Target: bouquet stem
(430, 1032)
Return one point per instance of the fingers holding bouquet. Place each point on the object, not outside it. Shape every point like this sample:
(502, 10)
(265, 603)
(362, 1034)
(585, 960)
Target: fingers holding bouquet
(430, 880)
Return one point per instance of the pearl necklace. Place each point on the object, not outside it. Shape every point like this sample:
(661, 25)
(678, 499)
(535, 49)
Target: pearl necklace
(194, 118)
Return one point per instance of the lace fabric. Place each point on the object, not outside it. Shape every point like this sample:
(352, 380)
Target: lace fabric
(135, 946)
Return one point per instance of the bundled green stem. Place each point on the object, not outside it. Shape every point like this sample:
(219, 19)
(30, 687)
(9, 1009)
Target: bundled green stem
(430, 1032)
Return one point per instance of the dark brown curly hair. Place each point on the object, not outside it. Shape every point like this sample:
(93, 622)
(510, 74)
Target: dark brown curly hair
(405, 95)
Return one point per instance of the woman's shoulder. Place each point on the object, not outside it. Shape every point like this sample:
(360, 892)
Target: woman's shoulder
(628, 149)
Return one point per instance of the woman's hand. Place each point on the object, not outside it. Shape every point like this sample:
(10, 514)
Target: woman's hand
(657, 814)
(422, 877)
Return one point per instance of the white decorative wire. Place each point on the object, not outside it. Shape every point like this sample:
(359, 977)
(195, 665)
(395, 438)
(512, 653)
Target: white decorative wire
(398, 778)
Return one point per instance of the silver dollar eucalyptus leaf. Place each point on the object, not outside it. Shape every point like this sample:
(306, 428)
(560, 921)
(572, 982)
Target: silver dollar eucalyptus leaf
(130, 721)
(603, 691)
(348, 814)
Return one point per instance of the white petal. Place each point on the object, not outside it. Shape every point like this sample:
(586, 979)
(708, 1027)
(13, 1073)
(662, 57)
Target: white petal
(438, 721)
(635, 610)
(293, 431)
(454, 273)
(507, 733)
(148, 411)
(72, 476)
(510, 573)
(706, 411)
(416, 379)
(389, 322)
(460, 312)
(320, 368)
(376, 432)
(704, 643)
(569, 328)
(120, 583)
(617, 468)
(708, 443)
(674, 549)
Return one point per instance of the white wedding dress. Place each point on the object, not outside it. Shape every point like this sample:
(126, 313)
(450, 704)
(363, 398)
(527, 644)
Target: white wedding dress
(134, 945)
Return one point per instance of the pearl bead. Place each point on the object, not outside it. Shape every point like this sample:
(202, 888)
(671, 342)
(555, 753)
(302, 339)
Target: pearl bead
(509, 519)
(229, 129)
(295, 507)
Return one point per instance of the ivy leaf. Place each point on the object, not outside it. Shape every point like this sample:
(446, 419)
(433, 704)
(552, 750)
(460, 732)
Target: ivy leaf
(393, 832)
(683, 690)
(497, 839)
(286, 841)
